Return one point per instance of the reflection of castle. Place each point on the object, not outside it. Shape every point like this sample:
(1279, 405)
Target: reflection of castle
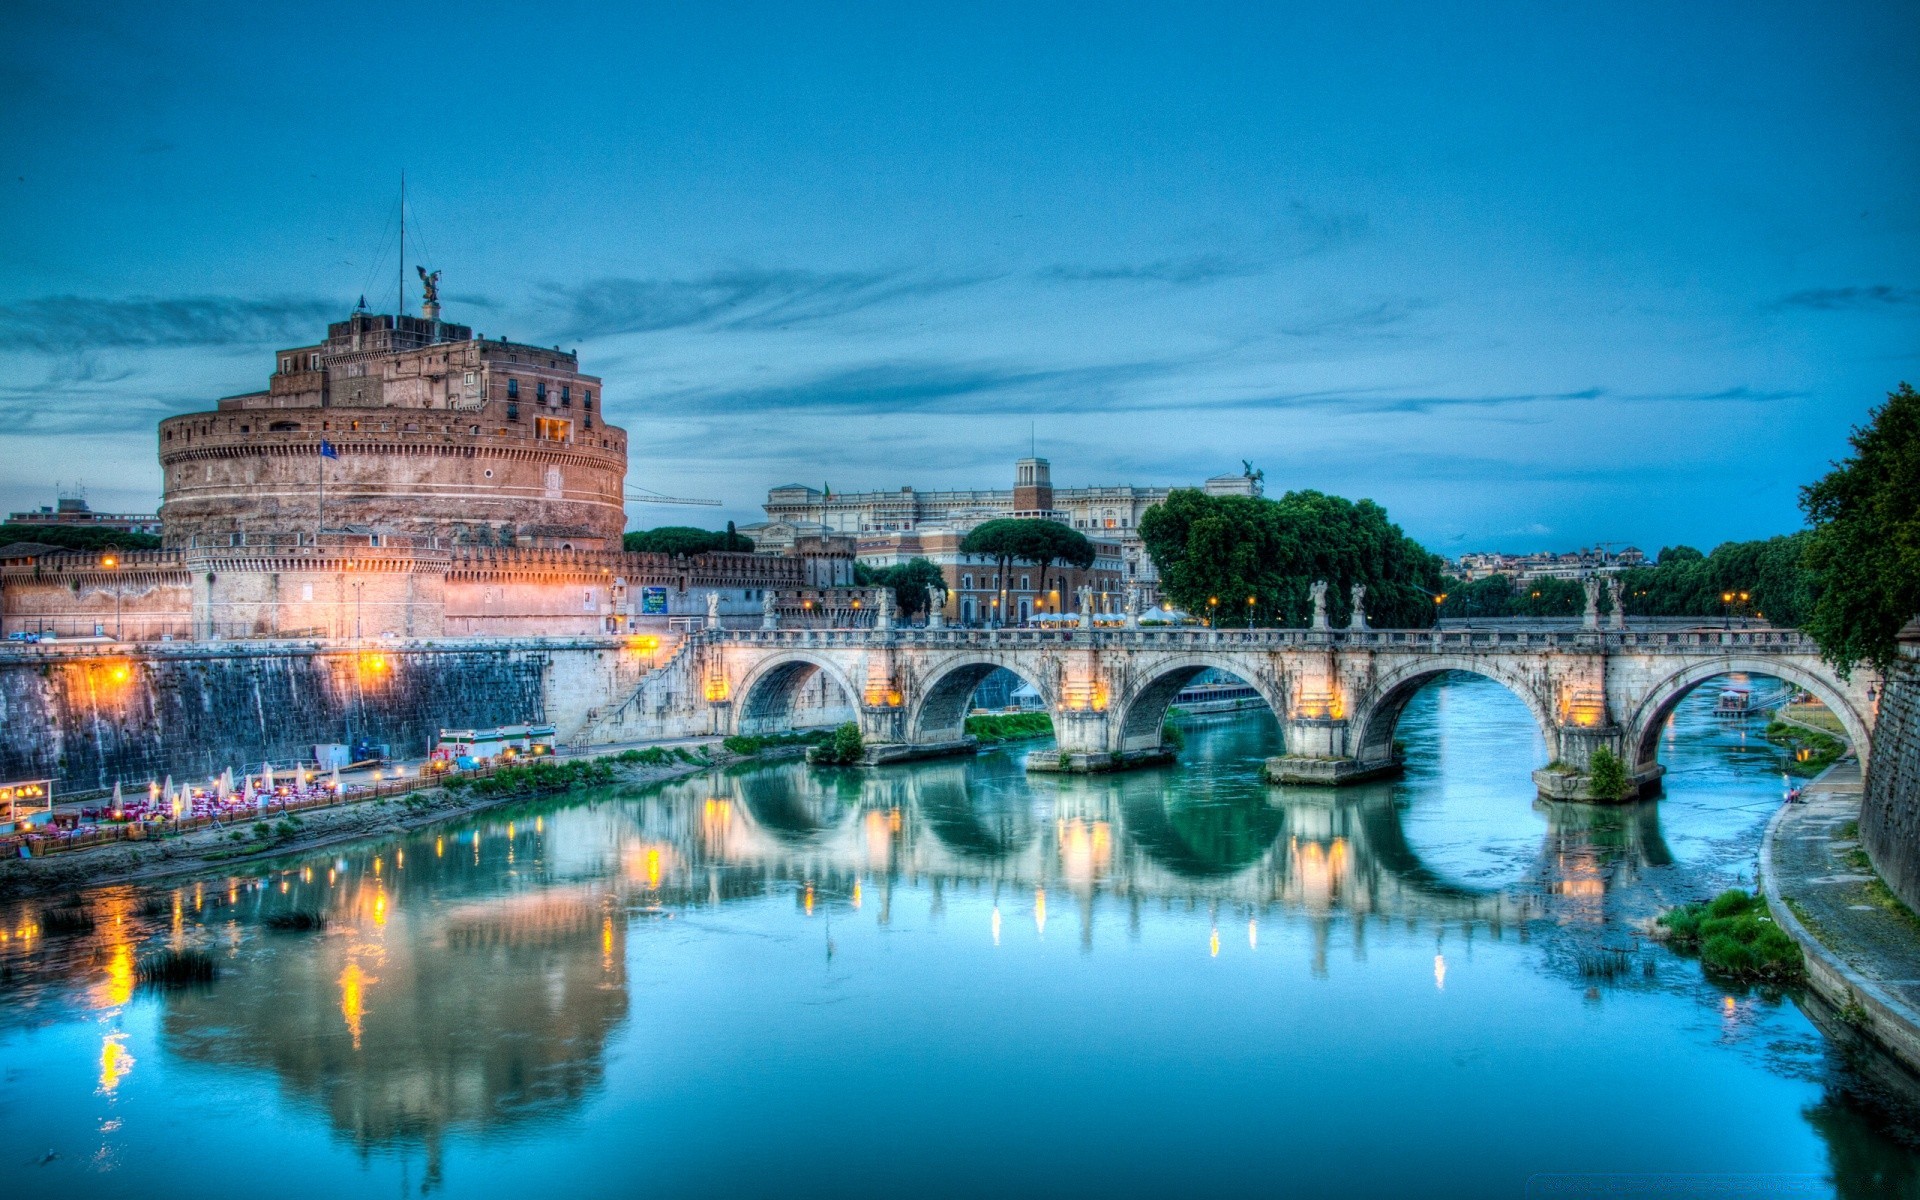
(434, 1015)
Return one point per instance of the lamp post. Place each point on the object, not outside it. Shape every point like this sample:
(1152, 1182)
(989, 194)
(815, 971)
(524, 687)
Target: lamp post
(1213, 611)
(112, 563)
(1726, 610)
(1250, 601)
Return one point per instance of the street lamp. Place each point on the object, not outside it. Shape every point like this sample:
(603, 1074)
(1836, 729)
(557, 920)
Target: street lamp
(1213, 609)
(1250, 600)
(1726, 610)
(112, 563)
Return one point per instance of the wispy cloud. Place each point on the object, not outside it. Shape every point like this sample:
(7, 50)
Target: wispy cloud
(1203, 268)
(69, 324)
(1852, 299)
(739, 298)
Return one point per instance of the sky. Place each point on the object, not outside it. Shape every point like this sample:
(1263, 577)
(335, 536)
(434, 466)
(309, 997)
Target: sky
(1530, 276)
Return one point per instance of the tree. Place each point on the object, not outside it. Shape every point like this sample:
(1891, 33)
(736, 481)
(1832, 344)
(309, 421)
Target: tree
(1029, 540)
(1606, 775)
(685, 539)
(1864, 550)
(77, 537)
(1232, 547)
(909, 581)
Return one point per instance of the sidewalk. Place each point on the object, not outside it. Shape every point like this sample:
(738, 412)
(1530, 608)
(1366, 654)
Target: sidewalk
(1862, 946)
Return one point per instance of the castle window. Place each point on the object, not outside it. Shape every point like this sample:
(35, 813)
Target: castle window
(283, 427)
(566, 396)
(513, 412)
(286, 366)
(589, 420)
(540, 391)
(586, 398)
(548, 429)
(513, 389)
(313, 362)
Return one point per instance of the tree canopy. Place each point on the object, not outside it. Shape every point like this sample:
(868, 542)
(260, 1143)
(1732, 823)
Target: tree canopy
(1233, 547)
(1864, 549)
(685, 539)
(77, 537)
(1030, 540)
(909, 581)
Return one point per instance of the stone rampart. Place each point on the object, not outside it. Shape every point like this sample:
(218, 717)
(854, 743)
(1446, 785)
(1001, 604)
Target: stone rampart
(91, 717)
(1890, 809)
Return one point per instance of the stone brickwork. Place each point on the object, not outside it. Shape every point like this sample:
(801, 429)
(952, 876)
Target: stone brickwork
(1890, 808)
(434, 433)
(89, 719)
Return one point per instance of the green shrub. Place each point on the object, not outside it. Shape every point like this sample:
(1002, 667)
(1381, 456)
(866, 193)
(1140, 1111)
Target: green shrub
(1735, 937)
(1172, 738)
(1010, 727)
(1607, 776)
(844, 748)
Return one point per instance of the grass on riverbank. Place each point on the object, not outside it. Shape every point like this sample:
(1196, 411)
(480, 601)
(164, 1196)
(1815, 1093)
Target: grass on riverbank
(1874, 889)
(175, 968)
(1735, 938)
(1808, 753)
(748, 745)
(1010, 727)
(540, 778)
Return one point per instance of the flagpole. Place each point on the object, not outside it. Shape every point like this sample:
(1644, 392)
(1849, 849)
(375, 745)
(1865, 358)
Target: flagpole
(320, 518)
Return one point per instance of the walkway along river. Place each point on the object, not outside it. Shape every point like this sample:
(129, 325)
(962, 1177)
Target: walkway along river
(961, 979)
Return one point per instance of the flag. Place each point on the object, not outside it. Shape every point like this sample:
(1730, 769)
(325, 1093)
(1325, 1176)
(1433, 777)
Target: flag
(327, 450)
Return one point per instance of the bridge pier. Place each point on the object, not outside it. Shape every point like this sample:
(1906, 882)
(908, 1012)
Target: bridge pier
(1320, 753)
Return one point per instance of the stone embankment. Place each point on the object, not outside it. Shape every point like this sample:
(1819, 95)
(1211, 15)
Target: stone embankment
(1890, 810)
(213, 849)
(1862, 945)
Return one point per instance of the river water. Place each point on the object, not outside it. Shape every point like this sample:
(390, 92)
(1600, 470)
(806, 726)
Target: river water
(955, 979)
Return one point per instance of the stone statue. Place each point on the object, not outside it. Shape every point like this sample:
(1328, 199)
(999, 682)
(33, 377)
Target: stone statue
(1133, 605)
(429, 285)
(1085, 597)
(1591, 585)
(1319, 593)
(936, 606)
(883, 608)
(1617, 619)
(1358, 598)
(769, 614)
(713, 610)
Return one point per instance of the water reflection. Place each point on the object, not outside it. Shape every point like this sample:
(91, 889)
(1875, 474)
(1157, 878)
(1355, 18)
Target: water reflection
(473, 980)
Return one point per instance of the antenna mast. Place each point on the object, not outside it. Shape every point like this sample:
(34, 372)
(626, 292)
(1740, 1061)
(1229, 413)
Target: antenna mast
(401, 309)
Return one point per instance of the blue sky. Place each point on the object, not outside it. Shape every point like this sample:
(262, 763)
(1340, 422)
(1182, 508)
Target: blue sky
(1527, 276)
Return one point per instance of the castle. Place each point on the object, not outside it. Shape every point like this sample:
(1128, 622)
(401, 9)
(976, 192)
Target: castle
(403, 478)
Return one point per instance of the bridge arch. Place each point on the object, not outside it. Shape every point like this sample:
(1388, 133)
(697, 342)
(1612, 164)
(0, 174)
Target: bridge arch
(1373, 717)
(1143, 710)
(940, 714)
(1650, 716)
(769, 694)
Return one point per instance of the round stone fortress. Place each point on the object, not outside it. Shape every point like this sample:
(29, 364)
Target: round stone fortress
(401, 426)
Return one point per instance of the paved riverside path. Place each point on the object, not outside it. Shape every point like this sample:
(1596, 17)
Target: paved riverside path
(1859, 951)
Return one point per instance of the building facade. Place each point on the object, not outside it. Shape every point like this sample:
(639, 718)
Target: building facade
(893, 526)
(70, 511)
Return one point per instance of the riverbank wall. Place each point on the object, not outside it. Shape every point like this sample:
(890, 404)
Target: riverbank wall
(1890, 807)
(90, 716)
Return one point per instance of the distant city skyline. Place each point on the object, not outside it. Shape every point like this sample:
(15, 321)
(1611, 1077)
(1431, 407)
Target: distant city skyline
(1530, 279)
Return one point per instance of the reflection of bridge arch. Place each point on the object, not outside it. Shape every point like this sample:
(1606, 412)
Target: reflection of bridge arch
(1650, 717)
(947, 697)
(1379, 709)
(1143, 710)
(769, 694)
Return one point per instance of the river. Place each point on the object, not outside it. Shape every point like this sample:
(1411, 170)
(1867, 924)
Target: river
(955, 979)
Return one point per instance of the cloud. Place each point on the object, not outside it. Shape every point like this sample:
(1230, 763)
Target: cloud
(1368, 320)
(74, 324)
(1852, 299)
(1204, 268)
(740, 298)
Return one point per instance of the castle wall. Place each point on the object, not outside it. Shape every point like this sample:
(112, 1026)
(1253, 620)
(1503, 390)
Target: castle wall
(89, 719)
(147, 597)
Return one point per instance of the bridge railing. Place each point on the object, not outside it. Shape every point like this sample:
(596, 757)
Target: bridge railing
(1698, 640)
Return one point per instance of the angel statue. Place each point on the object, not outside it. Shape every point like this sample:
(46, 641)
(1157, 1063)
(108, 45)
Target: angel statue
(1319, 593)
(429, 284)
(1358, 594)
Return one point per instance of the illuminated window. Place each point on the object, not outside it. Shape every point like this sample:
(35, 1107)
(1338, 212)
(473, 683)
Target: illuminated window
(550, 429)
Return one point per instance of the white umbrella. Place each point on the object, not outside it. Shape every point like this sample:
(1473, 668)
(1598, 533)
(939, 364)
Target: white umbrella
(336, 777)
(266, 776)
(116, 797)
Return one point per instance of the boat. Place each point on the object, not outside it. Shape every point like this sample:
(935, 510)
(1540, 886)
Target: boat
(1734, 702)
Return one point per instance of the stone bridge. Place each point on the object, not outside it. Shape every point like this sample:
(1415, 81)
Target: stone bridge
(1337, 693)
